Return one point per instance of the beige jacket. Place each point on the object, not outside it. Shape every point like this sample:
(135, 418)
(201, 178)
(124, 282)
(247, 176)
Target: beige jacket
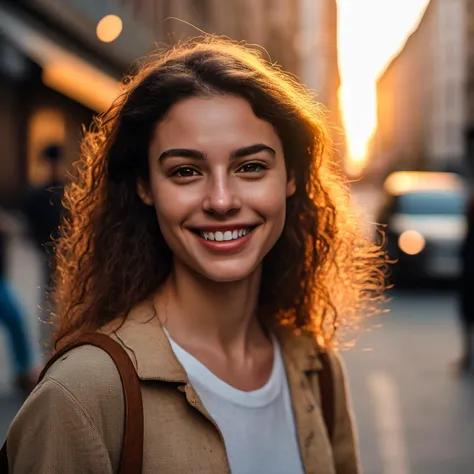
(72, 423)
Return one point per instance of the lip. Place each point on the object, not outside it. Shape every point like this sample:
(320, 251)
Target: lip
(222, 227)
(224, 246)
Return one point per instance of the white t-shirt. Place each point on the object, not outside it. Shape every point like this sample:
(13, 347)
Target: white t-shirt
(258, 426)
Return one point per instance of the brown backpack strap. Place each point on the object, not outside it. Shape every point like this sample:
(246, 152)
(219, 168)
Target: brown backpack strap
(326, 387)
(131, 459)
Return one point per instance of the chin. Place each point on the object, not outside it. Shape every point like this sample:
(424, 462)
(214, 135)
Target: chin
(227, 272)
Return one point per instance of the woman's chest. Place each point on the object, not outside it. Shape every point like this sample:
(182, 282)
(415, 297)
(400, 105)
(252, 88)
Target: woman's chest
(178, 438)
(181, 437)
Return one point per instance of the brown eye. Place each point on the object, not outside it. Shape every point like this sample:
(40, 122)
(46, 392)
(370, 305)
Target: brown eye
(253, 167)
(184, 172)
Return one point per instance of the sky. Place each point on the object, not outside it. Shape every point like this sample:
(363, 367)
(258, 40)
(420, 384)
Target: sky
(370, 33)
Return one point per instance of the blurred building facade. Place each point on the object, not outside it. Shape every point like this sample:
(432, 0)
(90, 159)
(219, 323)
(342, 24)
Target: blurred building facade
(55, 72)
(469, 130)
(317, 38)
(421, 96)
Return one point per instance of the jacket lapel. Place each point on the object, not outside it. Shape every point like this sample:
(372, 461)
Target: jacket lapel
(302, 364)
(143, 337)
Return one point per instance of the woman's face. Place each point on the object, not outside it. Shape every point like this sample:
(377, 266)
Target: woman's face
(219, 185)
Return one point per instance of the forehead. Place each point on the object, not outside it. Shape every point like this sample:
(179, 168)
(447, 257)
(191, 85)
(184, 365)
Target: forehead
(217, 121)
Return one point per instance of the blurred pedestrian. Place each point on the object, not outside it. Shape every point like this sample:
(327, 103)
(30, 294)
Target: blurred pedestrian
(13, 320)
(43, 210)
(210, 235)
(466, 291)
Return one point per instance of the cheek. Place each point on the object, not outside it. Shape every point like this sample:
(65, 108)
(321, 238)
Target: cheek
(172, 202)
(171, 211)
(270, 200)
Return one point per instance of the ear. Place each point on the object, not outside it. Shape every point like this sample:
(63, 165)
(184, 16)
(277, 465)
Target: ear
(290, 186)
(144, 192)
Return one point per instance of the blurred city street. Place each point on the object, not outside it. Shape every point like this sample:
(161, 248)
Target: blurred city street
(414, 413)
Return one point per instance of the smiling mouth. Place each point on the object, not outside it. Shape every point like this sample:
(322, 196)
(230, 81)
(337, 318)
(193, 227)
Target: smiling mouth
(224, 235)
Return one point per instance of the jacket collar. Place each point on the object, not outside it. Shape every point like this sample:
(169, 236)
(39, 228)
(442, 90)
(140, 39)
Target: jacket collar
(143, 337)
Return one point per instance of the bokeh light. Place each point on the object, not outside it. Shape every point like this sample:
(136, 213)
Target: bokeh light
(109, 28)
(411, 242)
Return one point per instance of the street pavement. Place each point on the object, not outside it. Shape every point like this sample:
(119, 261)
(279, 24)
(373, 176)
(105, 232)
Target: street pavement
(414, 412)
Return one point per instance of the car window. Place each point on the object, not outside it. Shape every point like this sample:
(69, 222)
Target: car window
(433, 203)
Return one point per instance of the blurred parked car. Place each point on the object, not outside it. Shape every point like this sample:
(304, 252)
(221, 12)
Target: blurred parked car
(425, 224)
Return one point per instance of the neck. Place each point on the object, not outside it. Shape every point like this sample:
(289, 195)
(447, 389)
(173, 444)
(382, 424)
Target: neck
(208, 313)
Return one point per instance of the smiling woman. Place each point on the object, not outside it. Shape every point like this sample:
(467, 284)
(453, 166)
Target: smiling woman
(230, 176)
(210, 235)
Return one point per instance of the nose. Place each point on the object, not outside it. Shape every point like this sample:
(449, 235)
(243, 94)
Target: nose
(221, 197)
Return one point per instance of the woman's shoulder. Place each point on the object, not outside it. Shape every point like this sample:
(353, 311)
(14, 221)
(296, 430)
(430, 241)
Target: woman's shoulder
(303, 348)
(85, 380)
(88, 373)
(75, 411)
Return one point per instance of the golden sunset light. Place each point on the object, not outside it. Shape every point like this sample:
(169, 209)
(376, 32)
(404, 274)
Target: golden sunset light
(371, 32)
(275, 200)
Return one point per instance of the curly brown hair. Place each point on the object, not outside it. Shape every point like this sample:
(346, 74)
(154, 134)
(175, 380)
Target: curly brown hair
(111, 253)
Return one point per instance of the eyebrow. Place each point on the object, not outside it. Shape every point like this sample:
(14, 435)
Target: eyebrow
(199, 155)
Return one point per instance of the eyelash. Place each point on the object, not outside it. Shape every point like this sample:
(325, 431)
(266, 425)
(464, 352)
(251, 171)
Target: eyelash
(262, 166)
(175, 173)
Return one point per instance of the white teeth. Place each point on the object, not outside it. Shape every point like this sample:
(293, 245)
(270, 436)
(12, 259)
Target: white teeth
(208, 235)
(221, 236)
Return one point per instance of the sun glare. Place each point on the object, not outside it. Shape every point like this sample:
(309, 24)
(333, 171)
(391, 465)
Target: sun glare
(371, 32)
